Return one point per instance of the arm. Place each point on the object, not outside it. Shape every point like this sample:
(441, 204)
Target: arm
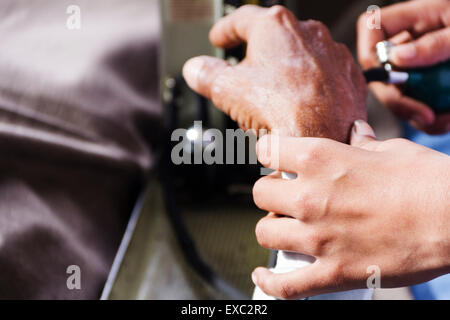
(384, 204)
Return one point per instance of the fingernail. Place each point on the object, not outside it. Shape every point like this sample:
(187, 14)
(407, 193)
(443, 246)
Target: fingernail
(404, 51)
(255, 278)
(263, 150)
(362, 128)
(191, 71)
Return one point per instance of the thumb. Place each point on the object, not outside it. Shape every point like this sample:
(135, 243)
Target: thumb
(430, 49)
(304, 282)
(200, 73)
(363, 136)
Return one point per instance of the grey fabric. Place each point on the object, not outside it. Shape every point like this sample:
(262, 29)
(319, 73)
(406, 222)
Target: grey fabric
(79, 126)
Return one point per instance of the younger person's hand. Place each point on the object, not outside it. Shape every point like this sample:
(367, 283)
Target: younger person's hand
(383, 204)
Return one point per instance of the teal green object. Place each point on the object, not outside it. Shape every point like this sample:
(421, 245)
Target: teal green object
(430, 85)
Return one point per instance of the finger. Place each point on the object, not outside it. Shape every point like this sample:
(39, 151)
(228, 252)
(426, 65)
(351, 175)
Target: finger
(430, 49)
(293, 154)
(415, 16)
(272, 153)
(287, 234)
(440, 126)
(201, 72)
(363, 136)
(402, 106)
(275, 195)
(305, 282)
(367, 38)
(285, 197)
(226, 86)
(234, 29)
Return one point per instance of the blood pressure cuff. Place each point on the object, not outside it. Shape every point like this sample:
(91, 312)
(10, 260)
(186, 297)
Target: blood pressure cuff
(79, 127)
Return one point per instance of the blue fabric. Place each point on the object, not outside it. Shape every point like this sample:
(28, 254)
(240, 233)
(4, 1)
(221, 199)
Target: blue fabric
(439, 143)
(439, 288)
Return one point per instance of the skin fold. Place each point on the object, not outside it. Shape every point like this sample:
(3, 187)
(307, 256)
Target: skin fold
(294, 79)
(421, 31)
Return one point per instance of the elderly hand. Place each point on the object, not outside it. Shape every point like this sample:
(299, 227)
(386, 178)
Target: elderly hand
(294, 78)
(383, 204)
(421, 29)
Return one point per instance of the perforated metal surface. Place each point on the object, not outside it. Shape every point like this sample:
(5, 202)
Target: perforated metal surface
(153, 266)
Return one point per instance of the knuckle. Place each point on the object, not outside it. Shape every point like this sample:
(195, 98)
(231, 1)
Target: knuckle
(318, 28)
(221, 81)
(285, 290)
(334, 274)
(313, 152)
(249, 9)
(302, 206)
(317, 25)
(278, 13)
(216, 89)
(277, 10)
(399, 140)
(396, 142)
(258, 192)
(315, 242)
(317, 146)
(305, 158)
